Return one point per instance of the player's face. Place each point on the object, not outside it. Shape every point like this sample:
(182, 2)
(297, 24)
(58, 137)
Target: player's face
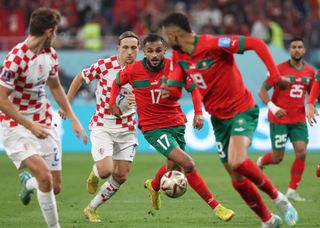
(128, 50)
(297, 50)
(154, 52)
(170, 36)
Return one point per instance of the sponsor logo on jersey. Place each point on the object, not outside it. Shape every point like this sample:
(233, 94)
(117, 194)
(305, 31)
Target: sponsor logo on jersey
(6, 76)
(155, 82)
(224, 42)
(239, 129)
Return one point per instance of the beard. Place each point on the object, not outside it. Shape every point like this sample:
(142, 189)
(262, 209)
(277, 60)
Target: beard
(297, 59)
(176, 47)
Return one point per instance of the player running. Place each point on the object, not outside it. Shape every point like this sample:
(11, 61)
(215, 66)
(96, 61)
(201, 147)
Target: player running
(210, 62)
(161, 120)
(30, 138)
(113, 139)
(287, 115)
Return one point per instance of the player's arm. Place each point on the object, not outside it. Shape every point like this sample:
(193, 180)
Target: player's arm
(315, 92)
(197, 104)
(263, 94)
(62, 100)
(171, 86)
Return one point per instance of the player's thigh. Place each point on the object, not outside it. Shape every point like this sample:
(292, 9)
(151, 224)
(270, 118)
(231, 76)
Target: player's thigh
(20, 144)
(278, 136)
(163, 140)
(125, 146)
(101, 143)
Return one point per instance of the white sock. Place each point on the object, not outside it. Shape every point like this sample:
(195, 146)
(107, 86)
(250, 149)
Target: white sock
(95, 170)
(290, 190)
(32, 184)
(107, 190)
(48, 206)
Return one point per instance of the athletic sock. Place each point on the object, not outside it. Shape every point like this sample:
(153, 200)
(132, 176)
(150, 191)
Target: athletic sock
(297, 169)
(252, 197)
(156, 180)
(250, 170)
(48, 206)
(201, 188)
(267, 159)
(107, 190)
(32, 184)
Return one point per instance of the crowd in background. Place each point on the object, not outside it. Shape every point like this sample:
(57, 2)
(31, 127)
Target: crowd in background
(275, 21)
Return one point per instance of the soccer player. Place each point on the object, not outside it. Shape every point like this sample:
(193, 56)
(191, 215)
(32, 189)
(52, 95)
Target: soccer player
(161, 120)
(210, 62)
(30, 138)
(113, 139)
(287, 115)
(311, 110)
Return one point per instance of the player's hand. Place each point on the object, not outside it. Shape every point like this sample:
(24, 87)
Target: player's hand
(115, 110)
(39, 130)
(79, 131)
(164, 88)
(312, 112)
(284, 82)
(198, 122)
(62, 114)
(281, 113)
(131, 99)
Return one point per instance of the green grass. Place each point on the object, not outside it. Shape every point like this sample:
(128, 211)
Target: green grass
(130, 206)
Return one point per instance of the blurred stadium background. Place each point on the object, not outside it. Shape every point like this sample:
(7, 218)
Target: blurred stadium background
(90, 28)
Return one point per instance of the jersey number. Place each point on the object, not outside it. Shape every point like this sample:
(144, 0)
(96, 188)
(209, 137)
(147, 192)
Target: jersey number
(155, 95)
(280, 141)
(221, 153)
(296, 91)
(163, 141)
(198, 79)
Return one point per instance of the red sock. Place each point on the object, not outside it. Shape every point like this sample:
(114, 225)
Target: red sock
(156, 180)
(250, 170)
(297, 169)
(267, 159)
(201, 188)
(253, 199)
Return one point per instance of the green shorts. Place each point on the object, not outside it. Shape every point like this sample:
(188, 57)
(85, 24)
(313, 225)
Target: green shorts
(165, 140)
(279, 133)
(243, 124)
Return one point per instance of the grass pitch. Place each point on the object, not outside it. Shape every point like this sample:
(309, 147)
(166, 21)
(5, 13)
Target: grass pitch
(130, 207)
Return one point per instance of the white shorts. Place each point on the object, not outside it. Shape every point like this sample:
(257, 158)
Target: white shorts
(120, 145)
(20, 144)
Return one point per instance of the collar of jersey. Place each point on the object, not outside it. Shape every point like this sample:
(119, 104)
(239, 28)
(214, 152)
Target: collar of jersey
(152, 69)
(294, 67)
(195, 42)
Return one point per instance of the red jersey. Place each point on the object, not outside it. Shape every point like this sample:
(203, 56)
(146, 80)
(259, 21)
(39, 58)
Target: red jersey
(214, 70)
(292, 99)
(153, 111)
(315, 90)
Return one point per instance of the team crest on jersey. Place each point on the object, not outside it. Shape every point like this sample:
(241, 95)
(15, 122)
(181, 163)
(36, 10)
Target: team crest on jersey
(6, 76)
(193, 66)
(224, 42)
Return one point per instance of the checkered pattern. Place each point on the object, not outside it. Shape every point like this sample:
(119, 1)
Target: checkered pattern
(105, 71)
(26, 74)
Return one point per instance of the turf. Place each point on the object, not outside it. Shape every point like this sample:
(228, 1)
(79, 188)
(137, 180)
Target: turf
(130, 206)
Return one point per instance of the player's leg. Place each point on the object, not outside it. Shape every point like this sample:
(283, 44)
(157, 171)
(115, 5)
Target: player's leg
(299, 137)
(278, 136)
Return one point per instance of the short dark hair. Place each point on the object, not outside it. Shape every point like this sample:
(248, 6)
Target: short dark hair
(128, 34)
(295, 39)
(153, 38)
(42, 19)
(179, 20)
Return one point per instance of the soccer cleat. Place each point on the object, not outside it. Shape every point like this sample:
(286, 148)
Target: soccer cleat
(274, 222)
(259, 164)
(318, 170)
(91, 214)
(25, 194)
(92, 183)
(154, 195)
(294, 196)
(223, 213)
(289, 213)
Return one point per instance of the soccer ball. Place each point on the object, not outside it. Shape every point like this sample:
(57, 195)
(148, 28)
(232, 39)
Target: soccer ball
(174, 184)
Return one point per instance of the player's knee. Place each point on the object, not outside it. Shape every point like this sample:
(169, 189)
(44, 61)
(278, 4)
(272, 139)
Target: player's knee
(56, 189)
(188, 166)
(45, 181)
(301, 154)
(277, 160)
(120, 177)
(105, 172)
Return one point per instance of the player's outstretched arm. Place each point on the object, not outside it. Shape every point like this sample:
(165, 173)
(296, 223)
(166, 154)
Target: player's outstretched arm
(61, 98)
(74, 88)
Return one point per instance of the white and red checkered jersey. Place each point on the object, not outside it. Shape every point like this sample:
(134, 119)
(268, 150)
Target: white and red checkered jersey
(26, 73)
(105, 71)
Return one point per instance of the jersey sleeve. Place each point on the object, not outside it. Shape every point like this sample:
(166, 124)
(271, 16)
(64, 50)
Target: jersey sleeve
(93, 72)
(123, 76)
(11, 70)
(54, 68)
(229, 44)
(315, 90)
